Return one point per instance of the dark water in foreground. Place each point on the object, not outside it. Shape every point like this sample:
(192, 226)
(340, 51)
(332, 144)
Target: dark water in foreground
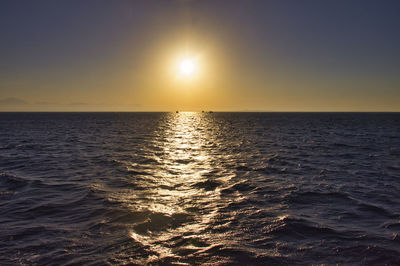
(193, 188)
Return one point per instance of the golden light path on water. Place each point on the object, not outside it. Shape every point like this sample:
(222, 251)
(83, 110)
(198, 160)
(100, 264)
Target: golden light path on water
(178, 188)
(184, 160)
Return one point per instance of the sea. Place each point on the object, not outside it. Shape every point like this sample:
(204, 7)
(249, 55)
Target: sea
(199, 188)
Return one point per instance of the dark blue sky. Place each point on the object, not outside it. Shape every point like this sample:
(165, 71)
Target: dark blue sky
(272, 55)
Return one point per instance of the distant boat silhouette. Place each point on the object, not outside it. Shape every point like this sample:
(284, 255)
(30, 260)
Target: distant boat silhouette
(177, 112)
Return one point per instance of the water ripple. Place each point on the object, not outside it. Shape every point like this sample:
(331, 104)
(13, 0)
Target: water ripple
(199, 188)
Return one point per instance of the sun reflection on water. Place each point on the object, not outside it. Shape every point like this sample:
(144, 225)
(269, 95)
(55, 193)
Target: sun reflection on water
(175, 196)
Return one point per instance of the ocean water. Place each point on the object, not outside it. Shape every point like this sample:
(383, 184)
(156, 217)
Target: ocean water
(200, 188)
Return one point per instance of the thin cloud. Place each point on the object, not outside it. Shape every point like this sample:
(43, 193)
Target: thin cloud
(43, 103)
(13, 101)
(78, 103)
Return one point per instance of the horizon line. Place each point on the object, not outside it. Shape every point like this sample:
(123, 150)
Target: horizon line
(204, 111)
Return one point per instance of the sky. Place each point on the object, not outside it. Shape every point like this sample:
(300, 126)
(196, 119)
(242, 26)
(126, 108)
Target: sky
(251, 55)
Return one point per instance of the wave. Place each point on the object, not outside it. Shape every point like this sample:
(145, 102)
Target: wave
(193, 188)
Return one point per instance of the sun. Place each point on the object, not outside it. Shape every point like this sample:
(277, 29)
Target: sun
(187, 67)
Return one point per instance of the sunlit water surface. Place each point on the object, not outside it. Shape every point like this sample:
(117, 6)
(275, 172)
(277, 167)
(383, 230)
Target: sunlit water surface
(198, 188)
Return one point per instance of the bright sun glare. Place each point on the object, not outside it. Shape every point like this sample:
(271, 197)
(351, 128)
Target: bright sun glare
(187, 67)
